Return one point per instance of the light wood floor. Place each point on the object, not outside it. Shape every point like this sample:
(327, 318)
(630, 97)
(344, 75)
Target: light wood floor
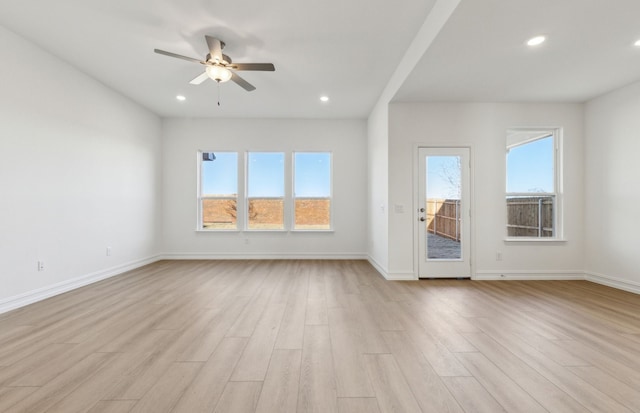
(320, 336)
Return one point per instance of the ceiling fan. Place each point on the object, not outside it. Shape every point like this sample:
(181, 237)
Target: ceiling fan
(219, 67)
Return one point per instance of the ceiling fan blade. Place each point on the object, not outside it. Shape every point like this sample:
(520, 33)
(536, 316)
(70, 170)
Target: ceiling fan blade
(215, 48)
(267, 67)
(200, 78)
(189, 59)
(242, 83)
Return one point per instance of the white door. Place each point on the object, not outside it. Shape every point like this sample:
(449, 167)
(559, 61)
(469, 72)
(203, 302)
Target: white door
(444, 213)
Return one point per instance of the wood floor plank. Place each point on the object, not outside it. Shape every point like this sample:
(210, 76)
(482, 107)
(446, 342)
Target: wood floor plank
(254, 362)
(202, 346)
(358, 405)
(64, 384)
(577, 388)
(251, 314)
(293, 335)
(443, 361)
(239, 397)
(539, 387)
(348, 352)
(610, 385)
(291, 331)
(316, 300)
(91, 390)
(504, 390)
(207, 387)
(317, 389)
(280, 388)
(113, 406)
(9, 396)
(392, 391)
(141, 379)
(472, 396)
(14, 375)
(166, 392)
(429, 390)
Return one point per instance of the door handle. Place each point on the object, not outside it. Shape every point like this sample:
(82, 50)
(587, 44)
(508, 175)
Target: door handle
(422, 219)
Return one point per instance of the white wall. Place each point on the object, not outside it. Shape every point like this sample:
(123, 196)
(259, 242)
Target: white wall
(378, 187)
(79, 171)
(483, 126)
(612, 190)
(346, 139)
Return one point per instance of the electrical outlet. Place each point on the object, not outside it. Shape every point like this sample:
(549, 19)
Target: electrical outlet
(40, 265)
(498, 255)
(108, 251)
(246, 241)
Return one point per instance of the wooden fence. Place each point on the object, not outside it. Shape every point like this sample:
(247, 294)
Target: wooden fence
(526, 217)
(530, 216)
(443, 218)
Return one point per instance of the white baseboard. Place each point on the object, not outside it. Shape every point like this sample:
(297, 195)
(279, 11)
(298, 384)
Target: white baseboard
(391, 276)
(265, 256)
(614, 282)
(375, 264)
(43, 293)
(528, 275)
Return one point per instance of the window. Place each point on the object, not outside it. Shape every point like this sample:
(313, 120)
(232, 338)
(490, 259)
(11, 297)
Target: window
(252, 192)
(532, 184)
(312, 190)
(218, 190)
(265, 191)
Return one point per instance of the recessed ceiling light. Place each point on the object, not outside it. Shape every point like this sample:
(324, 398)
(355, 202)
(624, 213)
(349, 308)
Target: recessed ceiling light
(324, 98)
(181, 98)
(535, 41)
(637, 43)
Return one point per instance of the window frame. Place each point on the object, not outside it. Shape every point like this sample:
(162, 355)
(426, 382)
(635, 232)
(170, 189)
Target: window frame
(556, 195)
(201, 197)
(247, 198)
(294, 197)
(242, 198)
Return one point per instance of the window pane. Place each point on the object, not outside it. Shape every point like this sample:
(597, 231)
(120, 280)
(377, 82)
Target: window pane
(312, 190)
(443, 204)
(265, 174)
(266, 213)
(220, 173)
(265, 190)
(219, 190)
(530, 216)
(531, 197)
(219, 213)
(313, 213)
(530, 167)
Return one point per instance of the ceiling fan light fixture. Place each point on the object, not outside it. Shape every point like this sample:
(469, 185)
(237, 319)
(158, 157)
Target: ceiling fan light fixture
(218, 73)
(535, 41)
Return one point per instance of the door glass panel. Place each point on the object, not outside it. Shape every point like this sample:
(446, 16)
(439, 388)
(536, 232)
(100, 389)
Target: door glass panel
(443, 206)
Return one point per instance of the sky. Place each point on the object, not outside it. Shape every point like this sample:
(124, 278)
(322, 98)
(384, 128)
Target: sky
(265, 174)
(529, 169)
(440, 170)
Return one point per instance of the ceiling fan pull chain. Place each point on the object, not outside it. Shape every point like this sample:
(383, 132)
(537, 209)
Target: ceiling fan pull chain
(218, 92)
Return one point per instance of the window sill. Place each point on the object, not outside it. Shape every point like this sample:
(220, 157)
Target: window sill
(252, 231)
(543, 240)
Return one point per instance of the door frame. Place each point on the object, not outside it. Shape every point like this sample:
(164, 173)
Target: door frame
(417, 205)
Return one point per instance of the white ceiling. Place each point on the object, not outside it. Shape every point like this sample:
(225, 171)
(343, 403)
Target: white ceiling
(347, 50)
(481, 53)
(342, 48)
